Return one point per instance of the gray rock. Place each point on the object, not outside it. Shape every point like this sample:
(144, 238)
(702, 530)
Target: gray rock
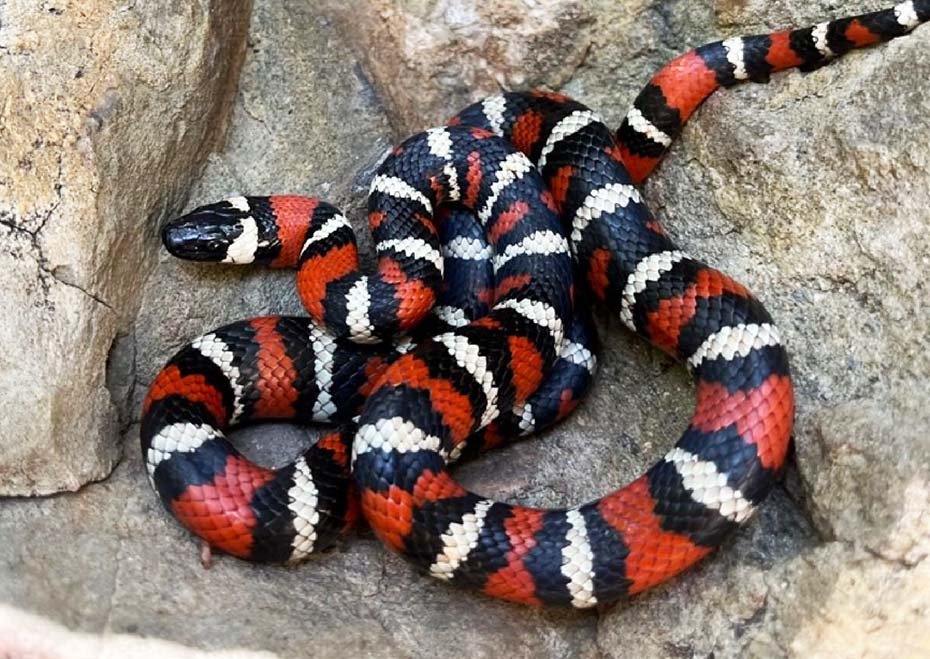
(841, 601)
(24, 635)
(109, 111)
(812, 190)
(865, 468)
(430, 59)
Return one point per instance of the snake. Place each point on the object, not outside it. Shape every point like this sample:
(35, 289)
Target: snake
(493, 235)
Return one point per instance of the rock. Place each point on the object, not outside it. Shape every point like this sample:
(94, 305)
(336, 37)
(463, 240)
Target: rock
(812, 190)
(109, 112)
(24, 635)
(430, 59)
(844, 602)
(866, 474)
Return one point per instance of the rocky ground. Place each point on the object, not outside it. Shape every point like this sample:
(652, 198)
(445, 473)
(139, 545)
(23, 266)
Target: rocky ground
(812, 190)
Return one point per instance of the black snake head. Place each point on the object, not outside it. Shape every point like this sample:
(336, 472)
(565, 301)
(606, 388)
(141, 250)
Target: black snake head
(220, 232)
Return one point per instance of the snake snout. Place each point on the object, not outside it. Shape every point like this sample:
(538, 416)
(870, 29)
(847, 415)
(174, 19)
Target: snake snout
(201, 235)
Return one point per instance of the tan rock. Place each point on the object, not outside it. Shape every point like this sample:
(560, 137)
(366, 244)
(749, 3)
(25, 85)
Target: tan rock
(28, 636)
(866, 473)
(842, 602)
(109, 110)
(430, 58)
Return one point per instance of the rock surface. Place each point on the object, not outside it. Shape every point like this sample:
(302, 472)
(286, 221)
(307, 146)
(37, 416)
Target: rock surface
(26, 636)
(812, 190)
(108, 111)
(430, 59)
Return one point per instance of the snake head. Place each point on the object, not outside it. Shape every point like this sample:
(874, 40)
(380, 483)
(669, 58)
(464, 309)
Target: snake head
(224, 232)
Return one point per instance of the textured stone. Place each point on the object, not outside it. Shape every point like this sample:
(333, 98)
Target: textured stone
(24, 635)
(844, 602)
(812, 190)
(109, 109)
(866, 473)
(430, 58)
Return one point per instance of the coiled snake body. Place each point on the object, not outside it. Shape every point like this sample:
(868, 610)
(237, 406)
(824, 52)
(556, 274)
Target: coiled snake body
(490, 232)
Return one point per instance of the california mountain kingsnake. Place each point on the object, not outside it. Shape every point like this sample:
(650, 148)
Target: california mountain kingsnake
(504, 352)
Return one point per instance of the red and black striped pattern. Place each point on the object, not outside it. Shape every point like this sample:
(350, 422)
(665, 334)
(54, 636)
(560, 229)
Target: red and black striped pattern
(265, 368)
(678, 89)
(685, 505)
(289, 368)
(558, 177)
